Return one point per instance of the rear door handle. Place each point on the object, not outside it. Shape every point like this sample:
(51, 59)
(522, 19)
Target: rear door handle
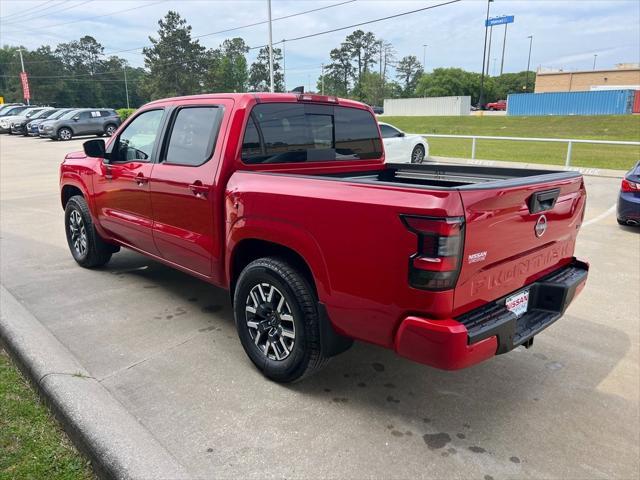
(140, 179)
(198, 189)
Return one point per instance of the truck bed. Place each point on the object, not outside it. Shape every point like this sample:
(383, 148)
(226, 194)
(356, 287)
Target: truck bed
(445, 176)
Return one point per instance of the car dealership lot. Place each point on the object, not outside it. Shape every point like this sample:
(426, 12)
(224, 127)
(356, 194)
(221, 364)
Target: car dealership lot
(165, 346)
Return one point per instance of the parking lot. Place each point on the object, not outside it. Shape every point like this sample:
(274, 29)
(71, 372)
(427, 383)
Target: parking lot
(164, 344)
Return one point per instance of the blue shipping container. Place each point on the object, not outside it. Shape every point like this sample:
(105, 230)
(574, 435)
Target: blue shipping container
(600, 102)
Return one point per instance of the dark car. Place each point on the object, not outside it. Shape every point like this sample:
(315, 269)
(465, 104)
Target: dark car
(32, 125)
(19, 125)
(86, 121)
(629, 198)
(377, 110)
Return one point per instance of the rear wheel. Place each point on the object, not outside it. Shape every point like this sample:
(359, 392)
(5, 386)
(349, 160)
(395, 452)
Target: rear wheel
(417, 155)
(277, 319)
(110, 129)
(87, 247)
(65, 134)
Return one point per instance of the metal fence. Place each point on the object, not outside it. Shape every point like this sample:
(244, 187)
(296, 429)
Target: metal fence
(569, 141)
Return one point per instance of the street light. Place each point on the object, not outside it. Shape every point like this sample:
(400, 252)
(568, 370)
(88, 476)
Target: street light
(594, 61)
(271, 89)
(530, 37)
(484, 57)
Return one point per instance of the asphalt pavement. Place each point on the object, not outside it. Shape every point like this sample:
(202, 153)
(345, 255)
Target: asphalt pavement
(164, 346)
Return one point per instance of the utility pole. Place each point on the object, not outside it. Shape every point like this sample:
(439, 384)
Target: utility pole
(322, 79)
(22, 64)
(504, 45)
(126, 87)
(284, 63)
(530, 37)
(271, 89)
(424, 57)
(594, 61)
(484, 57)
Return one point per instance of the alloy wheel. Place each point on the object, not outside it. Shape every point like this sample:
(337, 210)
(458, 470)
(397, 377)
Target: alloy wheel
(270, 321)
(78, 233)
(417, 156)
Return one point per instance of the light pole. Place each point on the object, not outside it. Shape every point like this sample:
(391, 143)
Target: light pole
(504, 46)
(424, 57)
(284, 63)
(594, 61)
(322, 79)
(530, 37)
(270, 51)
(484, 57)
(126, 87)
(489, 49)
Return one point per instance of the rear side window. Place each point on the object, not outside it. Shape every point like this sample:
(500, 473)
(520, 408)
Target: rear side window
(85, 115)
(193, 135)
(106, 113)
(296, 132)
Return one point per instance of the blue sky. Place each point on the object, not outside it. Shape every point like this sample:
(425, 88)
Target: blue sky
(567, 34)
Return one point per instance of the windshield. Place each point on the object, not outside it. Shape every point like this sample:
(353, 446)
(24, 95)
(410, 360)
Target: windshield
(29, 112)
(68, 115)
(59, 114)
(43, 114)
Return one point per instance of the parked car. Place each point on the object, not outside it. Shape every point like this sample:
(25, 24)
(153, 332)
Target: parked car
(17, 114)
(19, 124)
(84, 121)
(32, 125)
(400, 147)
(377, 110)
(629, 198)
(500, 105)
(285, 200)
(7, 106)
(11, 110)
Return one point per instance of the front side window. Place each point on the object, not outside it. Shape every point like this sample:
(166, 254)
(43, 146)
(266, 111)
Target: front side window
(388, 132)
(296, 132)
(137, 141)
(193, 135)
(84, 115)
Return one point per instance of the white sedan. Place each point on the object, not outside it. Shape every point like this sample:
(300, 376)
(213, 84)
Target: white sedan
(400, 147)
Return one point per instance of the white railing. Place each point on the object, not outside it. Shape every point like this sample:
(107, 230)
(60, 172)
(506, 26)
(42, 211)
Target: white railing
(568, 141)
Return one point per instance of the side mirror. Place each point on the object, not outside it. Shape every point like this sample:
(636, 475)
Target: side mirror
(94, 148)
(76, 118)
(400, 134)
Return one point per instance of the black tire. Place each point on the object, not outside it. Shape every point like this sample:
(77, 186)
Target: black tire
(417, 154)
(64, 134)
(96, 251)
(110, 129)
(305, 355)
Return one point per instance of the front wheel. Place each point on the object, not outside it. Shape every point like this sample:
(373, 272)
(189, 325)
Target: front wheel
(417, 155)
(88, 249)
(65, 134)
(277, 319)
(110, 130)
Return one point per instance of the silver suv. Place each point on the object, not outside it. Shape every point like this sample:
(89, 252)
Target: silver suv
(83, 121)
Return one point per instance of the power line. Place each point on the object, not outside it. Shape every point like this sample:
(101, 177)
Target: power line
(360, 24)
(23, 12)
(58, 11)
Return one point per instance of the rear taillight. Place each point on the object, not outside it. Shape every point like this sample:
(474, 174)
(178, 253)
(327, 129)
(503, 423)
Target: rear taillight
(628, 186)
(436, 263)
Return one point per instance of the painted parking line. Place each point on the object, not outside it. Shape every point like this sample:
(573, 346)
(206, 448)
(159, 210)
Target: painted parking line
(601, 216)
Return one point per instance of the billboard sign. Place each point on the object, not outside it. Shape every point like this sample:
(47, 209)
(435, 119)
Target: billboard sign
(25, 86)
(499, 20)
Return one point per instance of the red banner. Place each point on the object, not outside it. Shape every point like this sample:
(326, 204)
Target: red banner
(25, 86)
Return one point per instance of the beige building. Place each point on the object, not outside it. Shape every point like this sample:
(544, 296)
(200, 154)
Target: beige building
(625, 76)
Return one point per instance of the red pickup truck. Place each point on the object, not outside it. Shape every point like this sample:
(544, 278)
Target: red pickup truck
(286, 201)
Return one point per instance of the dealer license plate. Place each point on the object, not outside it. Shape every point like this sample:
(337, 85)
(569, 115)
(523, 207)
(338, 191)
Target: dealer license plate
(518, 303)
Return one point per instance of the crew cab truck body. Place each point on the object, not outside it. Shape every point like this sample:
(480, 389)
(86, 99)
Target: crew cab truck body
(286, 201)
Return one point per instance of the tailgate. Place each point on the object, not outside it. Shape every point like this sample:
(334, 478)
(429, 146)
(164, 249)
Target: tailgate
(514, 235)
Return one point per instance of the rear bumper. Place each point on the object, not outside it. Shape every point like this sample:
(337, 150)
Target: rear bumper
(628, 206)
(490, 330)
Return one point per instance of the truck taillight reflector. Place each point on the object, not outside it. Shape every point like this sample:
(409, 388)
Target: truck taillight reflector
(436, 263)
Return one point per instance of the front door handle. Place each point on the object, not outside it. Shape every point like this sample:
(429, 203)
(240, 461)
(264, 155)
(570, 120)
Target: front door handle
(141, 180)
(198, 189)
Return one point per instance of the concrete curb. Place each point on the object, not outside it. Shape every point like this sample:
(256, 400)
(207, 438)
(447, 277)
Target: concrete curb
(590, 172)
(117, 444)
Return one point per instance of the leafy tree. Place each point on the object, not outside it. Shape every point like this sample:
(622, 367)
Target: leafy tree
(259, 80)
(455, 82)
(227, 70)
(408, 72)
(513, 83)
(175, 61)
(338, 74)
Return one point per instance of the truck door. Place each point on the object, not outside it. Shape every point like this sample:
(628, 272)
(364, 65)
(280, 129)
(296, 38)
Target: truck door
(182, 186)
(122, 187)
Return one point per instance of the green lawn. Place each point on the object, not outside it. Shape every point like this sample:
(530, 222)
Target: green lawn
(603, 127)
(32, 445)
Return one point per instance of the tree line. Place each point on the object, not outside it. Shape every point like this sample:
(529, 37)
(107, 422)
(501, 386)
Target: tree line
(362, 67)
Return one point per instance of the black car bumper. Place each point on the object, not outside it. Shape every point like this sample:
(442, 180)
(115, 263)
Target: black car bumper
(549, 297)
